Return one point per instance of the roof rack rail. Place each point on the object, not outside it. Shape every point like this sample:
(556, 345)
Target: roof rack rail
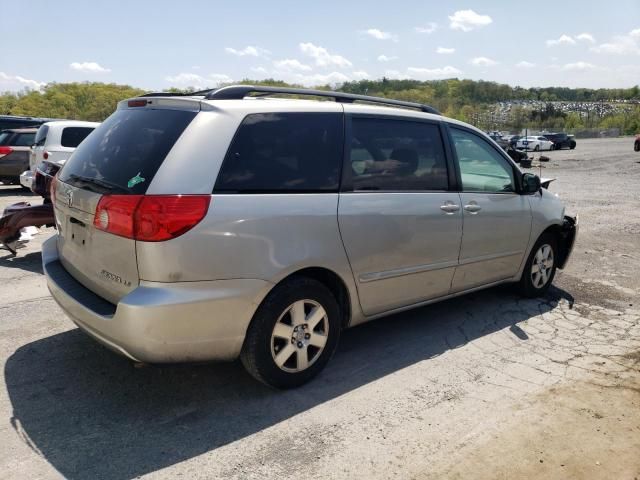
(238, 92)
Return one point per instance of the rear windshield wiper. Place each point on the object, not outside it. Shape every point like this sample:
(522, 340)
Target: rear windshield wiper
(92, 183)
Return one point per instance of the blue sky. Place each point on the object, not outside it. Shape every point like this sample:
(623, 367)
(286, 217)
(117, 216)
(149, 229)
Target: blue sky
(156, 44)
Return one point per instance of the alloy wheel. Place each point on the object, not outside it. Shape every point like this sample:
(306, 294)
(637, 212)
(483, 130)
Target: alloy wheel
(299, 336)
(542, 266)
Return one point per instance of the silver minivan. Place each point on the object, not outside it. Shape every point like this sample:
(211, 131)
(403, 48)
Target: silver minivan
(229, 223)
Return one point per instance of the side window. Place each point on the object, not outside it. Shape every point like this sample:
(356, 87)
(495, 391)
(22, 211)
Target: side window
(482, 168)
(24, 139)
(73, 136)
(284, 152)
(397, 155)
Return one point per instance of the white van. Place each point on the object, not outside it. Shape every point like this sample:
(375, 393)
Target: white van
(55, 142)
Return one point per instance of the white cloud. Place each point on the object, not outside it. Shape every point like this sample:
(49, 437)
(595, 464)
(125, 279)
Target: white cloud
(586, 37)
(380, 35)
(88, 67)
(290, 64)
(261, 70)
(197, 81)
(525, 64)
(621, 44)
(445, 51)
(428, 28)
(429, 73)
(16, 83)
(384, 58)
(321, 79)
(483, 62)
(322, 57)
(248, 51)
(467, 20)
(562, 40)
(393, 74)
(360, 75)
(578, 66)
(565, 39)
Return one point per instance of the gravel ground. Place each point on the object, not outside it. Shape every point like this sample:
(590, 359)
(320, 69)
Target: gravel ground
(485, 386)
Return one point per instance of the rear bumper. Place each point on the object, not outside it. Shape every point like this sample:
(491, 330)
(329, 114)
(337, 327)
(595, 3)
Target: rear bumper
(161, 322)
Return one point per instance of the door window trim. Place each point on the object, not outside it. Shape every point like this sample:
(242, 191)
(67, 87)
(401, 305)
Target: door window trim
(346, 181)
(517, 174)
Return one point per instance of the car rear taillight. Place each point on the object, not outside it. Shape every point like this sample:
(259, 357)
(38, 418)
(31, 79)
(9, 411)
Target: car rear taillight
(5, 150)
(150, 218)
(45, 155)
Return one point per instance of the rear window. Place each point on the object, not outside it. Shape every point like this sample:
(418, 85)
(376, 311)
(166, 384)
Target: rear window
(127, 149)
(24, 139)
(41, 135)
(284, 152)
(72, 136)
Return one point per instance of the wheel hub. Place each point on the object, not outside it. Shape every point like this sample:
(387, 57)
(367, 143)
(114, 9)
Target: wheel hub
(300, 336)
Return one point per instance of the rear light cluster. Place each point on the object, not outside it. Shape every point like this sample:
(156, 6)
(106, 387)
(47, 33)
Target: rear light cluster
(5, 150)
(150, 218)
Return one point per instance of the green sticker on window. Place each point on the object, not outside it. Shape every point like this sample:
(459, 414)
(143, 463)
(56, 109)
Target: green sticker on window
(135, 180)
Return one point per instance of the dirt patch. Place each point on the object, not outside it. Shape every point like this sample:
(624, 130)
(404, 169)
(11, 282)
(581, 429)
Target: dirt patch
(587, 429)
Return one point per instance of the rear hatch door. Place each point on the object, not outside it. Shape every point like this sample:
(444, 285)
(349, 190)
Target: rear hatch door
(120, 157)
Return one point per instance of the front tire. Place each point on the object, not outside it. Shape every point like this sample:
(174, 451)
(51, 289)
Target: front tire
(636, 147)
(537, 148)
(293, 334)
(540, 268)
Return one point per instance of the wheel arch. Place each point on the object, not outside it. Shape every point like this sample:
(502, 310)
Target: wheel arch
(565, 236)
(330, 279)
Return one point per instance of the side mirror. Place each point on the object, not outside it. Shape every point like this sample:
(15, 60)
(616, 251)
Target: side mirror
(530, 183)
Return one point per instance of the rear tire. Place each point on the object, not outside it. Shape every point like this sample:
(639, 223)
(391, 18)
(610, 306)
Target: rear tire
(293, 334)
(537, 148)
(540, 268)
(636, 147)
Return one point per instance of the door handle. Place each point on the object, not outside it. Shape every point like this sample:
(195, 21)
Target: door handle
(472, 207)
(449, 207)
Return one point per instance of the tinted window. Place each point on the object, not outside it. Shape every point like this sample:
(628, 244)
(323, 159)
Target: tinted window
(5, 137)
(397, 155)
(482, 168)
(41, 135)
(130, 145)
(24, 139)
(284, 152)
(72, 136)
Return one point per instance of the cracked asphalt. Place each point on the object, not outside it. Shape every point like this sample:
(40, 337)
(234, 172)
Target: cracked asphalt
(485, 386)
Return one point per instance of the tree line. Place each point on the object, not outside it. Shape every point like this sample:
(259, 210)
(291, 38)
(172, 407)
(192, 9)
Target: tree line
(468, 100)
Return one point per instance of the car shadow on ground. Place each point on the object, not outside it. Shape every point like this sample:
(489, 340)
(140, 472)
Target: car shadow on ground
(30, 262)
(92, 414)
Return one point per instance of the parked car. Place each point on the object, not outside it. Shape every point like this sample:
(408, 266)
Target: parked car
(55, 142)
(15, 145)
(11, 121)
(513, 140)
(636, 144)
(264, 241)
(499, 139)
(535, 143)
(561, 140)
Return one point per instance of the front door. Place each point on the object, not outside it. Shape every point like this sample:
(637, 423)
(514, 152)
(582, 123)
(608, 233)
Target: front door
(496, 219)
(400, 224)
